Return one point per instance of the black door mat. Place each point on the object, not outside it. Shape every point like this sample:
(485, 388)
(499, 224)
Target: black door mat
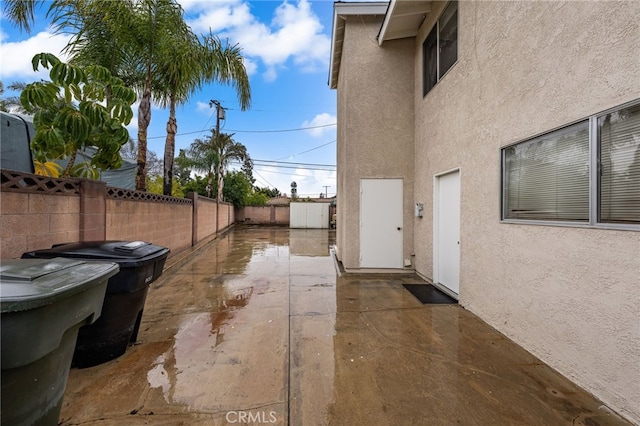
(428, 294)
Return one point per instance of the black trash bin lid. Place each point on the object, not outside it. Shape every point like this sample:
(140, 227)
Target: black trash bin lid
(30, 283)
(125, 253)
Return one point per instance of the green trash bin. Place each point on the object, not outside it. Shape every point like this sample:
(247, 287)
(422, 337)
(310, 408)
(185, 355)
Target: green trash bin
(43, 303)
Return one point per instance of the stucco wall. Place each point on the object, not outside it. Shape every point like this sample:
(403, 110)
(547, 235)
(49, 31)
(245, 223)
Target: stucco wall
(375, 127)
(569, 295)
(37, 221)
(167, 225)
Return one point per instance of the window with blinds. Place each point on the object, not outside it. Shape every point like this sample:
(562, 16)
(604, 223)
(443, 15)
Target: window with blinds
(619, 164)
(548, 178)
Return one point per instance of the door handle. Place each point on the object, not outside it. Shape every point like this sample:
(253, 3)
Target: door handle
(399, 228)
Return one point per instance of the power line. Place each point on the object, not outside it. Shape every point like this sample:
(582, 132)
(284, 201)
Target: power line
(295, 174)
(248, 131)
(309, 150)
(290, 162)
(296, 167)
(281, 130)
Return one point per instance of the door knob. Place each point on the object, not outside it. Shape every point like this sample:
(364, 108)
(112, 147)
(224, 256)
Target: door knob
(399, 228)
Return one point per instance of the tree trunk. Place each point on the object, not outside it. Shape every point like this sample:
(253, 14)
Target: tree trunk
(170, 148)
(144, 118)
(220, 179)
(72, 160)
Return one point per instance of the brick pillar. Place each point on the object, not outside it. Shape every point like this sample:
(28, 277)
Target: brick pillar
(194, 218)
(272, 214)
(93, 210)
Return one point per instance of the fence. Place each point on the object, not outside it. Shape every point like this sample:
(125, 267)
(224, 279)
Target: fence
(37, 212)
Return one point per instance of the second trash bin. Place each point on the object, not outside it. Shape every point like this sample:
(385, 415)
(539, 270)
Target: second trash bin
(140, 263)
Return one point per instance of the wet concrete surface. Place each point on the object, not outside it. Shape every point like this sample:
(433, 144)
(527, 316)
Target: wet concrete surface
(259, 328)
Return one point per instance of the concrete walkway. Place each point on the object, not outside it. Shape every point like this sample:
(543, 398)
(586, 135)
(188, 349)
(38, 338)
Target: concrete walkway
(258, 328)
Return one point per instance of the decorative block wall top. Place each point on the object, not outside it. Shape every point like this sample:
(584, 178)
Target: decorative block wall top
(127, 194)
(26, 182)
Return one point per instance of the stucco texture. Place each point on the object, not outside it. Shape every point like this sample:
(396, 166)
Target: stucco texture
(571, 296)
(375, 127)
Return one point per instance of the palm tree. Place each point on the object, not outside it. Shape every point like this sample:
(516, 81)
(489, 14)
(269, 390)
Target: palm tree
(12, 103)
(20, 12)
(159, 24)
(227, 149)
(201, 157)
(213, 155)
(189, 65)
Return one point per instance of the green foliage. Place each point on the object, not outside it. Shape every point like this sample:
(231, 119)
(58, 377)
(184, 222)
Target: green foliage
(236, 189)
(256, 199)
(268, 192)
(93, 110)
(197, 185)
(155, 185)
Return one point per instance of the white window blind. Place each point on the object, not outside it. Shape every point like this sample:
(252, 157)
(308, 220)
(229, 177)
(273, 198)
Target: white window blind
(619, 164)
(547, 178)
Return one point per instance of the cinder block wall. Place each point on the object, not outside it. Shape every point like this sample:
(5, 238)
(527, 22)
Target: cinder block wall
(167, 225)
(35, 221)
(38, 211)
(266, 215)
(206, 218)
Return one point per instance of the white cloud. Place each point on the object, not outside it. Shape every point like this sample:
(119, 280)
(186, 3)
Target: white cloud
(16, 56)
(203, 106)
(310, 182)
(323, 119)
(294, 33)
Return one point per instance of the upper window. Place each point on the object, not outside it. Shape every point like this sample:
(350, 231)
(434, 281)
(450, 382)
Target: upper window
(552, 178)
(440, 48)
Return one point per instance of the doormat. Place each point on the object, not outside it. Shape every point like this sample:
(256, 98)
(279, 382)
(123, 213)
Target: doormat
(428, 294)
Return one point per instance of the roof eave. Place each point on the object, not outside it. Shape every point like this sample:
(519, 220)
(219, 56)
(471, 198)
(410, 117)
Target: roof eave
(340, 13)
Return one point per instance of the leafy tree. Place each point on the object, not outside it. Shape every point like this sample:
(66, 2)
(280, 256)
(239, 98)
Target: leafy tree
(236, 188)
(198, 185)
(182, 170)
(256, 199)
(268, 192)
(83, 117)
(129, 151)
(155, 186)
(189, 64)
(149, 46)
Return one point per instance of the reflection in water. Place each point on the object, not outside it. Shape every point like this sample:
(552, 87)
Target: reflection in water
(243, 290)
(175, 371)
(158, 376)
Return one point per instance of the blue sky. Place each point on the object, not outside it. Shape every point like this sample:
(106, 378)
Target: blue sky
(286, 45)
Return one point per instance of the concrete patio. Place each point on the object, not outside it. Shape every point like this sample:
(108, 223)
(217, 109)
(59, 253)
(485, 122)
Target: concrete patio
(258, 327)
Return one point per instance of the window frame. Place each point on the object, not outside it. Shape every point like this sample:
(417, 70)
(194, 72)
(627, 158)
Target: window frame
(594, 179)
(436, 29)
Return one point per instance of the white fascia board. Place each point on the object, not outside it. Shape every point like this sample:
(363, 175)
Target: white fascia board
(385, 23)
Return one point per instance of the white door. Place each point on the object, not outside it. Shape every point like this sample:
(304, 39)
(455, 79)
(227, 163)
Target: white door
(381, 234)
(446, 232)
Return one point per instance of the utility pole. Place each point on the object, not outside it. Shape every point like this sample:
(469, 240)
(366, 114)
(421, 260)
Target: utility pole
(216, 142)
(326, 194)
(216, 145)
